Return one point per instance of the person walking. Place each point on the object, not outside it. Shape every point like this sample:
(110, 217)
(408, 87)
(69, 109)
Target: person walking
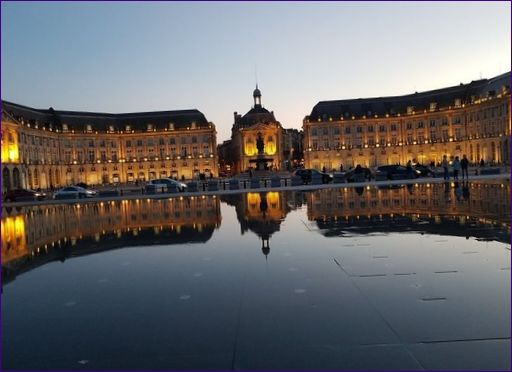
(444, 164)
(409, 169)
(464, 163)
(456, 168)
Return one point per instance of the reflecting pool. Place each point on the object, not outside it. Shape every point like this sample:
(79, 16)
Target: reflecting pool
(414, 277)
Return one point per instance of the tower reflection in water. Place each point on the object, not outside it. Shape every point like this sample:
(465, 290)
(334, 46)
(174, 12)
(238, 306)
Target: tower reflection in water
(33, 236)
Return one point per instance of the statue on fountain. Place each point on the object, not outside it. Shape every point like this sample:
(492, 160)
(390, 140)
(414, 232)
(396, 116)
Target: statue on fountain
(260, 145)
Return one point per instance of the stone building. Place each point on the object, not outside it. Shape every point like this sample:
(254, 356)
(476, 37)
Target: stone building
(293, 148)
(258, 124)
(471, 119)
(45, 148)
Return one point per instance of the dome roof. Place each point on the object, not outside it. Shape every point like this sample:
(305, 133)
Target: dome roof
(257, 92)
(257, 115)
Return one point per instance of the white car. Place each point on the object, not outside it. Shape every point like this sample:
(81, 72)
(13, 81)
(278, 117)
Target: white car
(74, 192)
(167, 184)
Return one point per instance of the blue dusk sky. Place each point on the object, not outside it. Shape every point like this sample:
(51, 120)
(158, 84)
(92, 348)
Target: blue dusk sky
(129, 57)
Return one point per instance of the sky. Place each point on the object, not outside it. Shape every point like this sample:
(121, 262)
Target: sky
(132, 57)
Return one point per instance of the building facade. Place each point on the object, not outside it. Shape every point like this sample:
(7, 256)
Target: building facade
(49, 148)
(258, 124)
(471, 119)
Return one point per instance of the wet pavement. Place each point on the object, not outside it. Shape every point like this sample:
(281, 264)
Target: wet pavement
(330, 279)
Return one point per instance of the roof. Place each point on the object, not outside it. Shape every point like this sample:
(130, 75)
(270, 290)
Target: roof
(78, 120)
(444, 97)
(256, 115)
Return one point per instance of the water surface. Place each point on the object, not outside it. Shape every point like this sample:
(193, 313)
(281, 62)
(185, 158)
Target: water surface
(402, 278)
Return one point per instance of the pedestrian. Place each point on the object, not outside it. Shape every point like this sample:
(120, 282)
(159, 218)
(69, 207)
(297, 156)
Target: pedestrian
(409, 169)
(444, 164)
(341, 167)
(464, 163)
(323, 169)
(482, 163)
(456, 168)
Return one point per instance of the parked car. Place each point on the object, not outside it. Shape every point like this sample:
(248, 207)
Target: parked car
(358, 174)
(424, 170)
(23, 195)
(308, 174)
(168, 184)
(74, 192)
(396, 172)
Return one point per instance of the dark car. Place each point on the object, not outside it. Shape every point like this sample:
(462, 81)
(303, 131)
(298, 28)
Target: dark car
(308, 174)
(396, 172)
(82, 185)
(424, 170)
(358, 174)
(23, 195)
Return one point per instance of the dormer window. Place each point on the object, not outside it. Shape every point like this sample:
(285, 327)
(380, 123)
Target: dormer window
(110, 128)
(150, 127)
(433, 106)
(65, 128)
(193, 125)
(88, 128)
(458, 102)
(128, 128)
(410, 110)
(171, 126)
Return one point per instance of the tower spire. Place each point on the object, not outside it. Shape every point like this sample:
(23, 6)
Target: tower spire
(257, 96)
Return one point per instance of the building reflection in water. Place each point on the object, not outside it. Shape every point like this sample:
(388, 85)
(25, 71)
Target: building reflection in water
(261, 213)
(32, 236)
(466, 209)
